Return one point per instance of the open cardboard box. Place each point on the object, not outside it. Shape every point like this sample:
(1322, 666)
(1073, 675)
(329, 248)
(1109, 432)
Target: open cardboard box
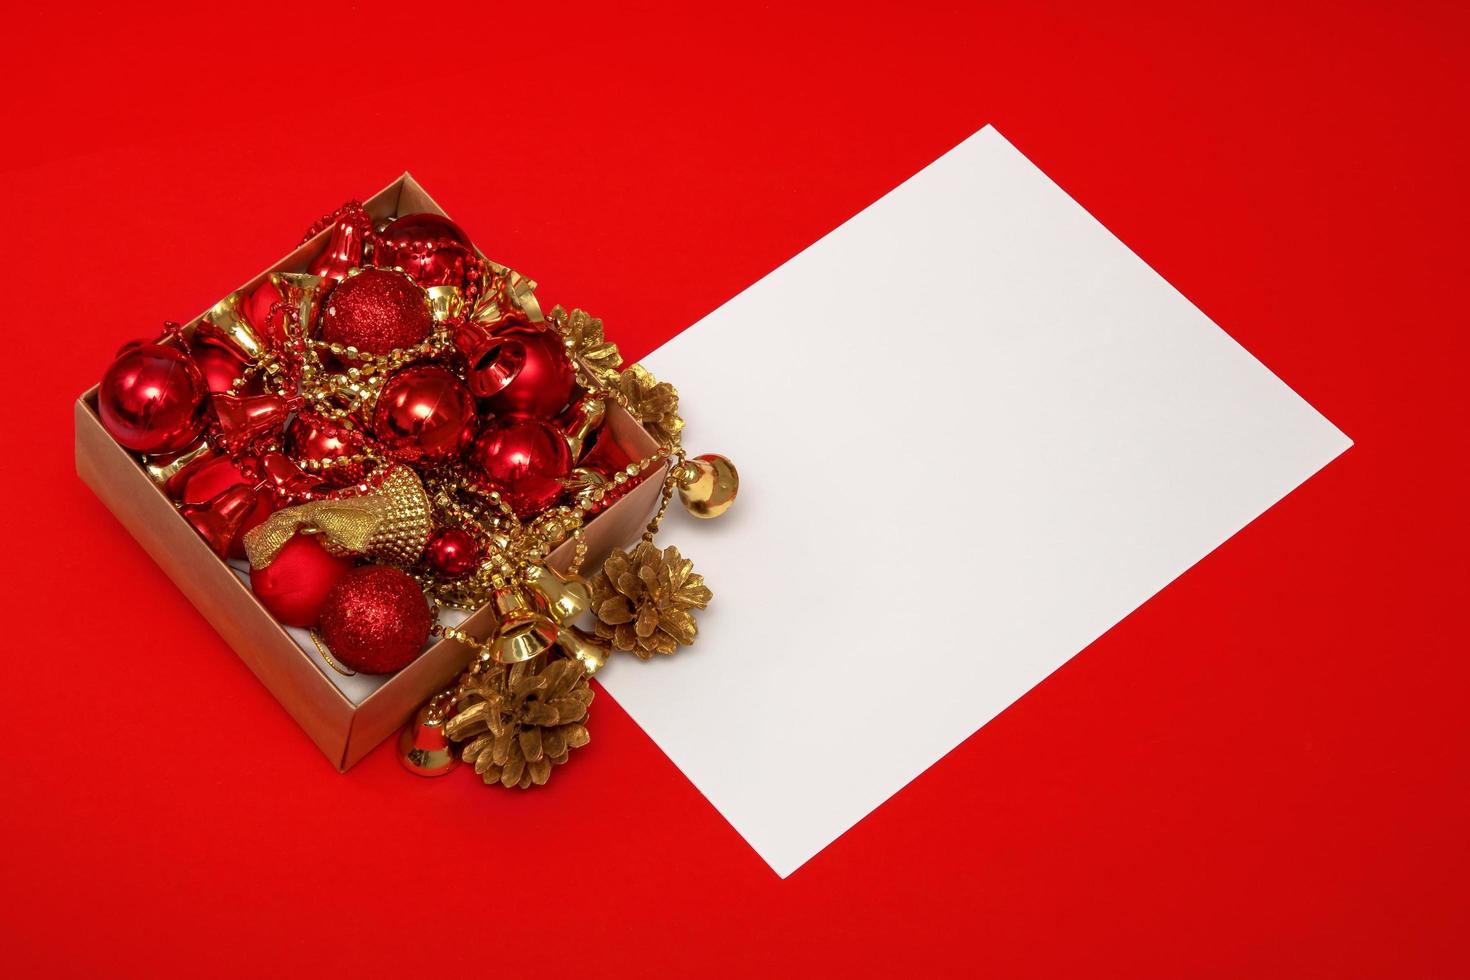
(344, 723)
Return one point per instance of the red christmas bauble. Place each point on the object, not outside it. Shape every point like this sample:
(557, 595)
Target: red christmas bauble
(427, 246)
(215, 477)
(153, 399)
(424, 414)
(311, 437)
(376, 619)
(522, 370)
(294, 587)
(525, 459)
(220, 368)
(452, 552)
(376, 311)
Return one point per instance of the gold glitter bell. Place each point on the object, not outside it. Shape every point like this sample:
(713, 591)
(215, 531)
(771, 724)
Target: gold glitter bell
(583, 646)
(566, 596)
(707, 485)
(524, 632)
(423, 747)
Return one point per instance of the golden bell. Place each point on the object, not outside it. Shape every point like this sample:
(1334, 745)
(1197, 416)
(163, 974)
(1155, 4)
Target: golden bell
(583, 646)
(580, 421)
(423, 746)
(524, 632)
(708, 485)
(446, 302)
(567, 596)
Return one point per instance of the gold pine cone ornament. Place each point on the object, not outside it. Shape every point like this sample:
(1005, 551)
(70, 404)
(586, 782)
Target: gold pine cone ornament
(643, 600)
(520, 721)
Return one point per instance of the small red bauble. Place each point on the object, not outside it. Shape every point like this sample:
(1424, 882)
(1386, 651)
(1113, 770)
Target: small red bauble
(525, 459)
(218, 475)
(311, 437)
(376, 619)
(522, 370)
(427, 246)
(376, 311)
(424, 414)
(153, 399)
(452, 552)
(294, 587)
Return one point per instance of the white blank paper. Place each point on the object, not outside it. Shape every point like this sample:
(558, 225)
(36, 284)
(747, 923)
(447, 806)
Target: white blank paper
(969, 390)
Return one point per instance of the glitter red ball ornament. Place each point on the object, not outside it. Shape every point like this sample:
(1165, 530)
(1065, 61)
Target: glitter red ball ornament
(153, 399)
(452, 552)
(294, 587)
(311, 437)
(376, 619)
(376, 311)
(218, 475)
(519, 369)
(525, 459)
(429, 247)
(424, 414)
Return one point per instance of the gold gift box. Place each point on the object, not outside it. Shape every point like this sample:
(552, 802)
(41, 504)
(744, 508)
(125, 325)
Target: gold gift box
(344, 731)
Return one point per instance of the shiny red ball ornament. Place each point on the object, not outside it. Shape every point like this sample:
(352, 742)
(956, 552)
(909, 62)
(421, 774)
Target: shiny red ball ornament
(429, 247)
(309, 437)
(218, 475)
(376, 311)
(376, 619)
(452, 552)
(293, 588)
(519, 369)
(525, 459)
(424, 414)
(153, 399)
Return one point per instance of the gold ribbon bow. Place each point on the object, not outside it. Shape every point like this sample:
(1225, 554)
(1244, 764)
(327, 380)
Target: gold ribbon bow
(391, 523)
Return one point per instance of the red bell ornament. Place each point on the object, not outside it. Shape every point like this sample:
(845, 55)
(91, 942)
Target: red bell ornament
(345, 246)
(525, 459)
(376, 311)
(215, 477)
(311, 439)
(285, 477)
(429, 247)
(518, 369)
(376, 619)
(220, 519)
(245, 418)
(424, 414)
(452, 552)
(294, 586)
(153, 399)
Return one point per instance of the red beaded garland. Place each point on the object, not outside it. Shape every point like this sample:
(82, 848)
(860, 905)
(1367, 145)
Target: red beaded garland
(376, 311)
(376, 619)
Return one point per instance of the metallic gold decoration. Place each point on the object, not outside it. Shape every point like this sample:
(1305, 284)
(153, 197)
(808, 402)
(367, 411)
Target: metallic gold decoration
(332, 662)
(642, 600)
(521, 721)
(587, 414)
(566, 597)
(524, 632)
(447, 302)
(225, 324)
(653, 402)
(390, 524)
(581, 646)
(506, 294)
(707, 485)
(590, 351)
(166, 470)
(423, 745)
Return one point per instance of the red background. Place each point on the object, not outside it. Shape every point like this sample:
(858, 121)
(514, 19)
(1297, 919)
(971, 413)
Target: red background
(1261, 772)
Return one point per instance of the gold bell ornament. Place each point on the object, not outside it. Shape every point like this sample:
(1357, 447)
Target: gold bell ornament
(708, 485)
(581, 645)
(567, 597)
(581, 420)
(524, 631)
(423, 746)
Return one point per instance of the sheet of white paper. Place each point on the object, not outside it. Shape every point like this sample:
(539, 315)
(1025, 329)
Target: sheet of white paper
(970, 391)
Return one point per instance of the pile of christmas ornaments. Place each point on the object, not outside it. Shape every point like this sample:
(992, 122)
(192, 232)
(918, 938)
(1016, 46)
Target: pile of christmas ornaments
(399, 430)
